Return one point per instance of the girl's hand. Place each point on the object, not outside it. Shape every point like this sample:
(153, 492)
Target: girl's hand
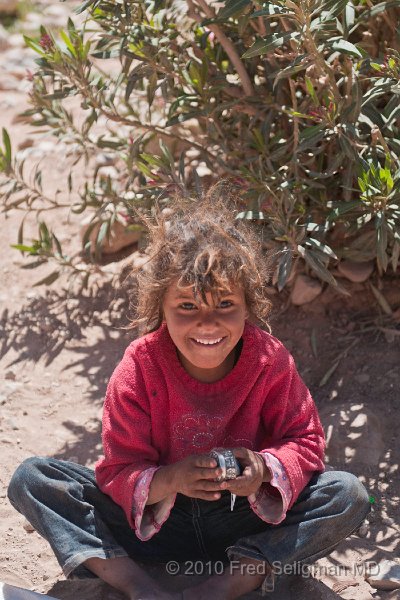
(195, 475)
(255, 472)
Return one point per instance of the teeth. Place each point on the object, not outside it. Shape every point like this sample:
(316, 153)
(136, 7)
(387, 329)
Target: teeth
(208, 342)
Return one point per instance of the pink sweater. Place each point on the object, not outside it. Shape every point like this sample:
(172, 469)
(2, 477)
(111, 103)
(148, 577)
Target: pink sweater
(155, 414)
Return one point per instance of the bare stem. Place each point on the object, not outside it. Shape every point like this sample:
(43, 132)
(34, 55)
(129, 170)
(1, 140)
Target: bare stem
(226, 43)
(295, 124)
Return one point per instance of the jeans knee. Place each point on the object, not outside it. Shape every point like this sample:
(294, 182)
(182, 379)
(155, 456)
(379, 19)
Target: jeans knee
(351, 495)
(27, 476)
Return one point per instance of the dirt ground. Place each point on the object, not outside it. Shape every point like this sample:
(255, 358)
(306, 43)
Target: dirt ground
(58, 350)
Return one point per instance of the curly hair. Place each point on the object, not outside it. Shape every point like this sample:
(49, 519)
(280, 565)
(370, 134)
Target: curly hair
(198, 243)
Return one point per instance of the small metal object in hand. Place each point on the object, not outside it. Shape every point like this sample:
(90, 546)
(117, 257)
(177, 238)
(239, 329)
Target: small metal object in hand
(226, 461)
(230, 466)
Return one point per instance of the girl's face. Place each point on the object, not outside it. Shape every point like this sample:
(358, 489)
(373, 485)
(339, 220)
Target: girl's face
(205, 335)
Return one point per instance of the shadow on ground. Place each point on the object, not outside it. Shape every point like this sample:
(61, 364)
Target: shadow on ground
(92, 324)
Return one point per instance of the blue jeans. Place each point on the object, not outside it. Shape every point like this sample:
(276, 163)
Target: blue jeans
(63, 503)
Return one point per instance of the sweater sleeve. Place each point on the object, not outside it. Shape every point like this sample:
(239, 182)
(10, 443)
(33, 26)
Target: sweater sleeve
(294, 434)
(271, 501)
(130, 459)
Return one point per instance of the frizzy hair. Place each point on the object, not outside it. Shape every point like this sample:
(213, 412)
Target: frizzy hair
(198, 243)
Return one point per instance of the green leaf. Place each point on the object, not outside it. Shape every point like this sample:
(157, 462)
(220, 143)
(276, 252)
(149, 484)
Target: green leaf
(276, 40)
(346, 48)
(285, 267)
(106, 54)
(251, 215)
(311, 90)
(329, 373)
(68, 43)
(24, 248)
(86, 5)
(7, 146)
(332, 8)
(324, 248)
(313, 340)
(383, 303)
(311, 132)
(231, 8)
(297, 66)
(381, 245)
(34, 45)
(378, 8)
(270, 10)
(313, 260)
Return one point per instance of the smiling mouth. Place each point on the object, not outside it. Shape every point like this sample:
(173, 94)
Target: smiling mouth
(205, 342)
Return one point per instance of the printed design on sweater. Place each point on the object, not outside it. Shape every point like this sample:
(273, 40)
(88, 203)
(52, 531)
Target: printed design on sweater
(197, 433)
(201, 432)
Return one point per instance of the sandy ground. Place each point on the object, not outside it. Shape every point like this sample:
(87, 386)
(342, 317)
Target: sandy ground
(58, 350)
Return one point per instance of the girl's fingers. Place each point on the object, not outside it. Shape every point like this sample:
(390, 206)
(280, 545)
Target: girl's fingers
(205, 462)
(208, 473)
(209, 486)
(206, 495)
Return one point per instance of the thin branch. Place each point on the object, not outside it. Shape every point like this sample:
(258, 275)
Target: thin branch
(225, 42)
(296, 133)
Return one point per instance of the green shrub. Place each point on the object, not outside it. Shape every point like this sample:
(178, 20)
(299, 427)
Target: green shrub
(295, 103)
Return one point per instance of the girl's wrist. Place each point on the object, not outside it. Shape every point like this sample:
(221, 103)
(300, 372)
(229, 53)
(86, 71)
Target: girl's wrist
(266, 475)
(162, 485)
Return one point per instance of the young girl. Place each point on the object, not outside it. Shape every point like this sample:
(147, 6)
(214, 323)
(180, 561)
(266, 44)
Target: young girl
(207, 375)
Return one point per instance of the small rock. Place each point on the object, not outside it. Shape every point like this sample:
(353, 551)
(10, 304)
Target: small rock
(8, 7)
(120, 236)
(305, 290)
(385, 575)
(11, 423)
(16, 40)
(105, 159)
(5, 440)
(108, 171)
(363, 529)
(4, 43)
(27, 526)
(362, 377)
(356, 271)
(10, 375)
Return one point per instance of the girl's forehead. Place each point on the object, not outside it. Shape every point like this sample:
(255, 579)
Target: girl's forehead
(187, 291)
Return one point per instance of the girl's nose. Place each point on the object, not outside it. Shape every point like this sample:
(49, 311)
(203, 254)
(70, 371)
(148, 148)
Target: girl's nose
(208, 317)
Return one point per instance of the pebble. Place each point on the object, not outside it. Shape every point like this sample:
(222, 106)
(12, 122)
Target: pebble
(103, 159)
(356, 271)
(387, 577)
(8, 7)
(4, 42)
(305, 290)
(27, 526)
(363, 529)
(362, 377)
(10, 375)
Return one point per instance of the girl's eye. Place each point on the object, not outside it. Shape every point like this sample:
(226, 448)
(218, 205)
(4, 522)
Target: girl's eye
(187, 306)
(225, 304)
